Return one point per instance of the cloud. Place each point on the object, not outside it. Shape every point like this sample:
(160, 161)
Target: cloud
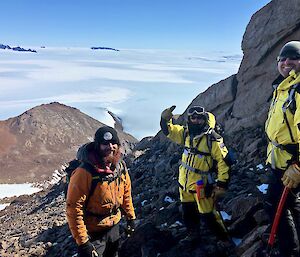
(70, 71)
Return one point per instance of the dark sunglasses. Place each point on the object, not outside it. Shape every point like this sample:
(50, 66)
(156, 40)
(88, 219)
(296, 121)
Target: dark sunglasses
(109, 142)
(292, 58)
(197, 117)
(195, 110)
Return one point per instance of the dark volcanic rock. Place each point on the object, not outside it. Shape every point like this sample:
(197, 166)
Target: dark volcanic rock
(17, 48)
(104, 48)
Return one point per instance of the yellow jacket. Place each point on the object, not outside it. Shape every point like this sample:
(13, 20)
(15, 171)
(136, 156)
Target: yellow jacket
(276, 127)
(202, 162)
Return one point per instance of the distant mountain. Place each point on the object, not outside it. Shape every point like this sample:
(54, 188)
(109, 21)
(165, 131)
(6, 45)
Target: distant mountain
(36, 143)
(17, 48)
(103, 48)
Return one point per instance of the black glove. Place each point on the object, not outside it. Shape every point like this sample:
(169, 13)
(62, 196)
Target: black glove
(167, 113)
(87, 250)
(130, 227)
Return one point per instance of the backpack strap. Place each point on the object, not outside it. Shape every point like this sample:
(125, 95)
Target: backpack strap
(290, 103)
(90, 168)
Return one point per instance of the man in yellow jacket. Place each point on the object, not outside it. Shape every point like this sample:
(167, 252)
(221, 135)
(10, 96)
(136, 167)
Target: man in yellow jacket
(93, 218)
(283, 130)
(203, 148)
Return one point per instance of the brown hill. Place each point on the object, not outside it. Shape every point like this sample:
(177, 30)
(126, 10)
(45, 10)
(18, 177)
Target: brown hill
(40, 140)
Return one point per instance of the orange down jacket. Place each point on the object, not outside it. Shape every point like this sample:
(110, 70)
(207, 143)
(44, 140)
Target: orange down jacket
(104, 206)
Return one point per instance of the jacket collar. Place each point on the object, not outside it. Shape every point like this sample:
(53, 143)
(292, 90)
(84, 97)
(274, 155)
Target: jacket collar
(283, 84)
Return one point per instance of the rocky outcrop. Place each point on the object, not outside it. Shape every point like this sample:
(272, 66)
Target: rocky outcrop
(104, 48)
(241, 101)
(41, 140)
(17, 48)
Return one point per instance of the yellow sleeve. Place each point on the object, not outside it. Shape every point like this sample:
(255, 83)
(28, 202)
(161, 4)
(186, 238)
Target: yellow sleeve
(218, 153)
(176, 133)
(78, 191)
(297, 118)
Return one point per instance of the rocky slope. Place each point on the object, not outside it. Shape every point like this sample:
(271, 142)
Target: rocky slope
(36, 225)
(41, 139)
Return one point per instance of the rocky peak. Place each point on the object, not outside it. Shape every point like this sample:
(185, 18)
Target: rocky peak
(43, 138)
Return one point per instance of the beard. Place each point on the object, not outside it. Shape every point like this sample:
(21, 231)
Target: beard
(196, 129)
(111, 157)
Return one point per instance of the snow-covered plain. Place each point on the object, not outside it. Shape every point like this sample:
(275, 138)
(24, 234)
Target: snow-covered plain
(9, 190)
(135, 84)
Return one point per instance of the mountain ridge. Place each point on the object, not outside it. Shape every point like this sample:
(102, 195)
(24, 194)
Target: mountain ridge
(43, 138)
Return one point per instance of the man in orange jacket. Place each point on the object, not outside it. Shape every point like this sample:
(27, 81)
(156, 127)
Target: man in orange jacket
(93, 217)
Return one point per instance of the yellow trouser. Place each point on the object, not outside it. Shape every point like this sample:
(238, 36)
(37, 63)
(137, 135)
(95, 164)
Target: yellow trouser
(205, 205)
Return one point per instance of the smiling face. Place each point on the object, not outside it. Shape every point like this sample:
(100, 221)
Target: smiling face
(109, 149)
(285, 65)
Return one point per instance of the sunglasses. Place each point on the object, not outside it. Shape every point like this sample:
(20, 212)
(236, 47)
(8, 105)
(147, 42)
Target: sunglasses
(197, 117)
(292, 58)
(195, 110)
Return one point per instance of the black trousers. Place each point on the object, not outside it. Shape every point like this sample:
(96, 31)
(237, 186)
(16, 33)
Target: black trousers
(288, 233)
(107, 243)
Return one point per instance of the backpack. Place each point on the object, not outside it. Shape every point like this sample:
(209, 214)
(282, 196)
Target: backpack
(73, 165)
(96, 177)
(213, 135)
(290, 103)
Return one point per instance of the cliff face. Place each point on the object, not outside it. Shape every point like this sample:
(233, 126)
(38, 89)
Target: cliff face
(241, 101)
(40, 140)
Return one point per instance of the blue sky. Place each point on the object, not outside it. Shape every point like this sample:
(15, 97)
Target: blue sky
(160, 24)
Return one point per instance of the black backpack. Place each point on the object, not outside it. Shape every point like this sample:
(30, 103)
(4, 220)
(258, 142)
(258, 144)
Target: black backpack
(73, 165)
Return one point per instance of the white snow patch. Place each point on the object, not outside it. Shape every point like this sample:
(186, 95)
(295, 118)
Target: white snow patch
(225, 215)
(2, 206)
(260, 166)
(9, 190)
(236, 241)
(263, 188)
(168, 199)
(144, 202)
(176, 224)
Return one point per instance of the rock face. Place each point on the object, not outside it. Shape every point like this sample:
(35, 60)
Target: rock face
(40, 140)
(241, 101)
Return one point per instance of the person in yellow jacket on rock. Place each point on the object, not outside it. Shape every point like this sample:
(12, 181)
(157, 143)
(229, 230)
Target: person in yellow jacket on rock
(93, 219)
(202, 148)
(283, 130)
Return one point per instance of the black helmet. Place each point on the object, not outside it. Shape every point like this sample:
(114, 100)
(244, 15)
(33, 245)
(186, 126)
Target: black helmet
(106, 135)
(290, 50)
